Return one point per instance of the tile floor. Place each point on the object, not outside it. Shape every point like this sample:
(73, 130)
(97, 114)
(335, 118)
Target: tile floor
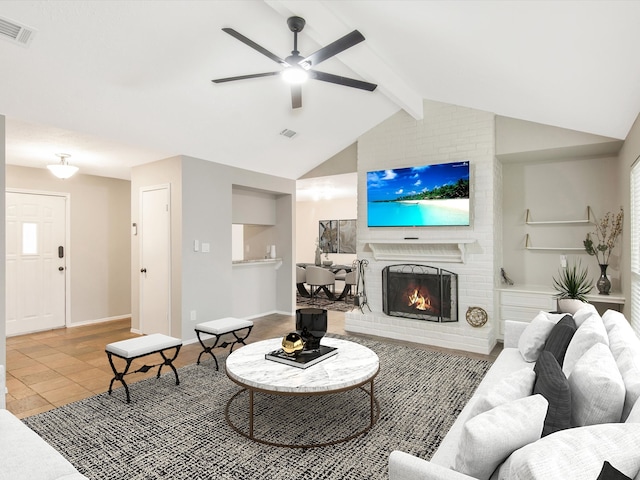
(49, 369)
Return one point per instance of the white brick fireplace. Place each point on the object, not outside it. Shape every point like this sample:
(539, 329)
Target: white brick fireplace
(447, 133)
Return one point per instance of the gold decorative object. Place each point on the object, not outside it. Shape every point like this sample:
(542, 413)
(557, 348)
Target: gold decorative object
(476, 316)
(292, 344)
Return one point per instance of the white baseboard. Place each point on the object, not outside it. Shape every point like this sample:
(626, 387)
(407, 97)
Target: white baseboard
(98, 320)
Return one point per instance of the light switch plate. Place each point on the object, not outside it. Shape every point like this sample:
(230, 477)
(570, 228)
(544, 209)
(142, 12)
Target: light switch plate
(206, 248)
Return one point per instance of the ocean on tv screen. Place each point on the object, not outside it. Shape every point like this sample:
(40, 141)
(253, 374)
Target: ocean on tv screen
(427, 213)
(422, 196)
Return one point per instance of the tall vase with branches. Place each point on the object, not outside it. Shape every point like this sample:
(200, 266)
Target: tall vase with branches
(600, 243)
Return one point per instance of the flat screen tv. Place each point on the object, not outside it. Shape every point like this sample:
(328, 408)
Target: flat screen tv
(424, 196)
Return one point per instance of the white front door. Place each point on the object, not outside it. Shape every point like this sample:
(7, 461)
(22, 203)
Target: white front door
(155, 261)
(35, 262)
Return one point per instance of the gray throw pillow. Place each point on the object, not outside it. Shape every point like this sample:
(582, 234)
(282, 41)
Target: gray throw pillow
(554, 386)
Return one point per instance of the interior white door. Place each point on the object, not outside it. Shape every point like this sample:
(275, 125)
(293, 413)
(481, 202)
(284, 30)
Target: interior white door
(155, 261)
(35, 262)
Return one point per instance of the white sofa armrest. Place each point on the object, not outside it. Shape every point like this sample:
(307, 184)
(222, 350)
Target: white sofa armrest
(512, 332)
(403, 466)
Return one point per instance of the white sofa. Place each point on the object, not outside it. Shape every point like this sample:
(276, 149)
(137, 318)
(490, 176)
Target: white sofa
(573, 453)
(26, 456)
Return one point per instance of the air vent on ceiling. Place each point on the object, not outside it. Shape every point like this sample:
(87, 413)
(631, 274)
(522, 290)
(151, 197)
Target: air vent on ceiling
(16, 33)
(288, 133)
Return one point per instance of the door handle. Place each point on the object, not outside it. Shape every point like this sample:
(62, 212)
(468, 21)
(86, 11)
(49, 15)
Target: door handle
(143, 270)
(61, 269)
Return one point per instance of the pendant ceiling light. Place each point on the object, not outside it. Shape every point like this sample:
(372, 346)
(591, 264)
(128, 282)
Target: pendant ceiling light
(63, 169)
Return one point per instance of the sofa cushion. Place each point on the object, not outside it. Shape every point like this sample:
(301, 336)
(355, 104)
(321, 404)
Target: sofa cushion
(489, 438)
(609, 472)
(554, 386)
(559, 338)
(592, 331)
(597, 389)
(577, 453)
(23, 454)
(516, 385)
(634, 415)
(625, 346)
(532, 340)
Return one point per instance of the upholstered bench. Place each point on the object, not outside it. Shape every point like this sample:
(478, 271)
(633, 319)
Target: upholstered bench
(138, 347)
(217, 328)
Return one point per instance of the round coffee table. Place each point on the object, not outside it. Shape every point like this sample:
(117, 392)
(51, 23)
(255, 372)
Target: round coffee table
(352, 367)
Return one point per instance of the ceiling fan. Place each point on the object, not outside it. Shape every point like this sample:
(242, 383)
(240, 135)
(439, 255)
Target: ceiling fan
(298, 68)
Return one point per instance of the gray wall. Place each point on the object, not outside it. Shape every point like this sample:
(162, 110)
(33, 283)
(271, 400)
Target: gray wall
(202, 209)
(100, 254)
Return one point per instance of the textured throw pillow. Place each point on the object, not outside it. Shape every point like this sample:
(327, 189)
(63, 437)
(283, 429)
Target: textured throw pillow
(532, 340)
(489, 438)
(559, 338)
(577, 453)
(597, 389)
(518, 384)
(625, 346)
(554, 386)
(592, 331)
(609, 472)
(634, 415)
(585, 312)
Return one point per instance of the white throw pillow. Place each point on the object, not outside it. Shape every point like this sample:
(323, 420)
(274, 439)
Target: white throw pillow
(597, 389)
(634, 415)
(585, 312)
(518, 384)
(489, 438)
(577, 454)
(592, 331)
(625, 346)
(532, 340)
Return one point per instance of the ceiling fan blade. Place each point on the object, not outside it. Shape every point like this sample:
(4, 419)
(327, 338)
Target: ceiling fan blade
(347, 82)
(255, 46)
(296, 96)
(332, 49)
(245, 77)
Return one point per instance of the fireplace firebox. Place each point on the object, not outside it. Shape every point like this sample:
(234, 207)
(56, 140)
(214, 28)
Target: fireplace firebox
(420, 292)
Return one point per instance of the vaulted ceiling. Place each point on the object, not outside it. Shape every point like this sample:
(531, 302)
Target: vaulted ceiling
(116, 84)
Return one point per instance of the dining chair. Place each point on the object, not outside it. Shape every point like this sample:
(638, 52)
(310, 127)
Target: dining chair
(319, 278)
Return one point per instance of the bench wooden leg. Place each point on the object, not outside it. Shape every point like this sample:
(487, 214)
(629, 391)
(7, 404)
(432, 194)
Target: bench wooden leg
(119, 375)
(240, 339)
(206, 348)
(169, 362)
(209, 349)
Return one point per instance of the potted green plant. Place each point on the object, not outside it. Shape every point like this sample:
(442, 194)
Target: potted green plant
(573, 286)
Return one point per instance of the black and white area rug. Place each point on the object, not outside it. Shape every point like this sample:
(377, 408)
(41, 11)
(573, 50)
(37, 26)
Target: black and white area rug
(180, 432)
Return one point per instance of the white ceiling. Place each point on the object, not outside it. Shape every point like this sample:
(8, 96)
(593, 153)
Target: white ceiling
(116, 84)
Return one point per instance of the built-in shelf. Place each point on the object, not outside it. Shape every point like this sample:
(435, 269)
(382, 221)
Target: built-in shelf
(590, 219)
(584, 221)
(431, 250)
(528, 246)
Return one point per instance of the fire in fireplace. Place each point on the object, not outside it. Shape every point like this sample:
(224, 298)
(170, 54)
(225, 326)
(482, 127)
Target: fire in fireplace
(420, 292)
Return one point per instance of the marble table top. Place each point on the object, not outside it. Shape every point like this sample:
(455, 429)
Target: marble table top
(354, 364)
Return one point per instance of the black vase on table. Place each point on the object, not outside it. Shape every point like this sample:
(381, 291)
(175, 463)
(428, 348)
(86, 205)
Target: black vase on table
(311, 325)
(603, 283)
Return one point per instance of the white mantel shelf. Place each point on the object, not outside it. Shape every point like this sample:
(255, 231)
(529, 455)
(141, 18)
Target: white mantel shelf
(425, 250)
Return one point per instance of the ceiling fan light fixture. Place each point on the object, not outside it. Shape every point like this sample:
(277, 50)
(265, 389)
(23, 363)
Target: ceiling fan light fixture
(295, 75)
(62, 170)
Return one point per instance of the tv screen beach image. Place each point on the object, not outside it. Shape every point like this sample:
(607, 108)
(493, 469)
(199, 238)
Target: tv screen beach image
(423, 196)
